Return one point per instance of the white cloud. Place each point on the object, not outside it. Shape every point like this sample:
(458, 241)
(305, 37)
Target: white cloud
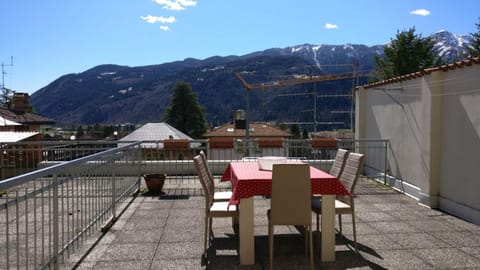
(176, 4)
(164, 28)
(331, 26)
(154, 19)
(421, 12)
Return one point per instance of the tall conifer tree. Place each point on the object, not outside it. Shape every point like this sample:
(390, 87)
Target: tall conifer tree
(185, 113)
(474, 50)
(405, 54)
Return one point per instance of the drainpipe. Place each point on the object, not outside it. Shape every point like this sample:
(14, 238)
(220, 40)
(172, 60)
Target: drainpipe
(247, 125)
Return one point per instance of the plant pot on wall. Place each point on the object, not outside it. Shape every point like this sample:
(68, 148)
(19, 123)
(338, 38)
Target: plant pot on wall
(154, 182)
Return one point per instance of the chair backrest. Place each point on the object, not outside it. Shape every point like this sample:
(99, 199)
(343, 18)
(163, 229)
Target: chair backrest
(339, 162)
(204, 159)
(203, 176)
(351, 171)
(291, 194)
(205, 163)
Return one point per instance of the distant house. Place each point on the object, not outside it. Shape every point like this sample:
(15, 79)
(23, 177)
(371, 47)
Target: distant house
(162, 141)
(21, 115)
(432, 121)
(19, 124)
(228, 141)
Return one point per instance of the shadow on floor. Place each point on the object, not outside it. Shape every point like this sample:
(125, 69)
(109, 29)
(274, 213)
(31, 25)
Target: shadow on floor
(289, 253)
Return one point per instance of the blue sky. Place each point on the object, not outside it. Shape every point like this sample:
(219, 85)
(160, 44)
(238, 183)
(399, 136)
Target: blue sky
(50, 38)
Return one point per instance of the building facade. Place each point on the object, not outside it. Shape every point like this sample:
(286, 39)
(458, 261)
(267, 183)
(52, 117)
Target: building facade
(432, 121)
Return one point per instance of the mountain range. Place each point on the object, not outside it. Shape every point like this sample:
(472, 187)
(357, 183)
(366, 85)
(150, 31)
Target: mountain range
(113, 94)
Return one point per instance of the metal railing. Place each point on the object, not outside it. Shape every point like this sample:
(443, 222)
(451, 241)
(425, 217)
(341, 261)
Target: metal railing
(45, 214)
(376, 153)
(18, 158)
(73, 188)
(22, 157)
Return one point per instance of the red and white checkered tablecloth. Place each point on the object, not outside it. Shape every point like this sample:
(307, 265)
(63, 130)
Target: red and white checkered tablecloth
(248, 180)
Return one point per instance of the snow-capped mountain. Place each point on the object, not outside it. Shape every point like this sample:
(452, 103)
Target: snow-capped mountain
(119, 94)
(451, 47)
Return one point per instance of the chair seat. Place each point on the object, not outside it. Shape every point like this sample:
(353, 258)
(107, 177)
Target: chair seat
(339, 205)
(222, 196)
(222, 208)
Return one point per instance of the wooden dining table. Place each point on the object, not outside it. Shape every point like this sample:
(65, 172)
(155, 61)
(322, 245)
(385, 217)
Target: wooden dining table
(248, 181)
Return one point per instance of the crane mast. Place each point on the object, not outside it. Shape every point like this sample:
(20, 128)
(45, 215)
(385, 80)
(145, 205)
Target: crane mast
(296, 80)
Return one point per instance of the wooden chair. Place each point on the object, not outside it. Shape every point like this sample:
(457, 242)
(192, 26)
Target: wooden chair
(345, 204)
(213, 209)
(217, 195)
(290, 202)
(339, 162)
(335, 170)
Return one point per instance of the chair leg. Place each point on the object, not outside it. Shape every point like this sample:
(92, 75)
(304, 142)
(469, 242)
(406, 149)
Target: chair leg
(235, 220)
(207, 233)
(210, 235)
(340, 222)
(306, 239)
(310, 240)
(270, 245)
(354, 232)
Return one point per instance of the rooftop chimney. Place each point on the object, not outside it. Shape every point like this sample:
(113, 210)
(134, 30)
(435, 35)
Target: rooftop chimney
(239, 119)
(20, 104)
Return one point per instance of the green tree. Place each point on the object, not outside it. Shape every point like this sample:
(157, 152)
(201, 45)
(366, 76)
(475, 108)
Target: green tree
(295, 131)
(474, 50)
(405, 54)
(185, 113)
(305, 134)
(107, 131)
(6, 97)
(80, 133)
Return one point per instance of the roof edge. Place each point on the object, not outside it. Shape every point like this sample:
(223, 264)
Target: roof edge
(421, 73)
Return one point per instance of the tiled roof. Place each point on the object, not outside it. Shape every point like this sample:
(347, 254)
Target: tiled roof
(155, 132)
(256, 130)
(26, 118)
(14, 136)
(459, 64)
(5, 122)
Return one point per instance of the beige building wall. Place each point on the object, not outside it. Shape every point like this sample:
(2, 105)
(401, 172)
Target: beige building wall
(433, 124)
(459, 187)
(394, 112)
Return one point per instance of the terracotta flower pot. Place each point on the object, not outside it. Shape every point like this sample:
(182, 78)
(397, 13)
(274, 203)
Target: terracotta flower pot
(154, 182)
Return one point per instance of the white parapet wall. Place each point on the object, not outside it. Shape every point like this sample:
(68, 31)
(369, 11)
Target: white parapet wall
(169, 167)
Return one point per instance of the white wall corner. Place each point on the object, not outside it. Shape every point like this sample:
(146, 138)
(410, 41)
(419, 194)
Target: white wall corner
(428, 200)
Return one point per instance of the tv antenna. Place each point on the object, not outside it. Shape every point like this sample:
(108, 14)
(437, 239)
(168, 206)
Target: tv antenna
(4, 72)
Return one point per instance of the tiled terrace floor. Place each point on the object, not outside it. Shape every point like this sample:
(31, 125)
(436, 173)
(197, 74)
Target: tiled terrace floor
(393, 232)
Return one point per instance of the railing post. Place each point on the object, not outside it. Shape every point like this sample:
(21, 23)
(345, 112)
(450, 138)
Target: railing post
(7, 233)
(385, 163)
(55, 220)
(140, 161)
(114, 193)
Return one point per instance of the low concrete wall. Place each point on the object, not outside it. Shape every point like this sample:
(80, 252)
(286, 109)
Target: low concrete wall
(169, 167)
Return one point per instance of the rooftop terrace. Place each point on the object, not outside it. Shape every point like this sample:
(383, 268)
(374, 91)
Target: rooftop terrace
(393, 231)
(54, 215)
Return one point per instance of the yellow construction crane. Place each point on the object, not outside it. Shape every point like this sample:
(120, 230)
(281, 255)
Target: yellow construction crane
(298, 79)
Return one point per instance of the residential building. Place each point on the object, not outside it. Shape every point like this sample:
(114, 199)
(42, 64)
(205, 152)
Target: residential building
(162, 141)
(432, 121)
(227, 141)
(19, 124)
